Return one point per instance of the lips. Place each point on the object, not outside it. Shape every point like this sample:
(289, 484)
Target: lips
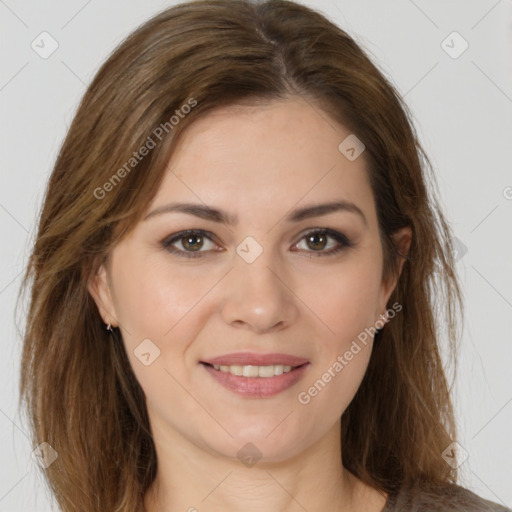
(257, 387)
(254, 359)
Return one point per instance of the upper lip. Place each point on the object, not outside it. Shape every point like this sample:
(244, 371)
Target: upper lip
(250, 358)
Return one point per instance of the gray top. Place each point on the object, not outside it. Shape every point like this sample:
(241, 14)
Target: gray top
(441, 498)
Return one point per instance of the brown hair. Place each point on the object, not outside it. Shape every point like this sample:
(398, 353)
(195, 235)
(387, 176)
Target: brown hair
(80, 391)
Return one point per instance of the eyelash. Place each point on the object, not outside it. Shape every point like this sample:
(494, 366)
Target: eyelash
(339, 237)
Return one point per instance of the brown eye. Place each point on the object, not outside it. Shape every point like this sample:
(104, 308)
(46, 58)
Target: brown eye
(191, 242)
(318, 240)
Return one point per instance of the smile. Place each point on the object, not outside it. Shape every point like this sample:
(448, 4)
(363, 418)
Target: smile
(251, 381)
(254, 371)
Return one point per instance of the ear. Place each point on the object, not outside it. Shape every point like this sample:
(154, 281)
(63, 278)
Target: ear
(402, 240)
(100, 290)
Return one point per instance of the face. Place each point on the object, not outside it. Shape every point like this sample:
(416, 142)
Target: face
(268, 286)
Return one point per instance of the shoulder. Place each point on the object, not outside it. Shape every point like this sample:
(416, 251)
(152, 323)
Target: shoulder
(440, 498)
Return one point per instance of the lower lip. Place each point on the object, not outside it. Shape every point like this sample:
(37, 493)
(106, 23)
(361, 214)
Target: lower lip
(258, 387)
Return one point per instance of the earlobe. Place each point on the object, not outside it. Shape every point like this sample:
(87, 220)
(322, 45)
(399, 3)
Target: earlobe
(100, 291)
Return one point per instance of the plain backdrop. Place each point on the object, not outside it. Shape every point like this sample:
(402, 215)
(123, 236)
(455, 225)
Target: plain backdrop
(462, 107)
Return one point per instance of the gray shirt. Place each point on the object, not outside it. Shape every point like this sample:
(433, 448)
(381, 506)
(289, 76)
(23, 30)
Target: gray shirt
(440, 498)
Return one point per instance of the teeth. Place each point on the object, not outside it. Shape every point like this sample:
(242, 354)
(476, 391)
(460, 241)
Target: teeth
(254, 371)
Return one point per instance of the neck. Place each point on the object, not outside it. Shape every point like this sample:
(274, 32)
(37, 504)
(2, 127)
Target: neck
(192, 479)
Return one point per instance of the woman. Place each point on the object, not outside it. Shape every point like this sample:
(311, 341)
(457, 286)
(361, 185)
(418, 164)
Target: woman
(235, 279)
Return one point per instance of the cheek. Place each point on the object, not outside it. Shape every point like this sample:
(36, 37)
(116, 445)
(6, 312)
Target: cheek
(345, 299)
(157, 309)
(344, 349)
(328, 392)
(345, 302)
(152, 297)
(167, 306)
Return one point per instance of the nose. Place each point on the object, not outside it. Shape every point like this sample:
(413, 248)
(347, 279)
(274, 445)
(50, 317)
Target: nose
(259, 295)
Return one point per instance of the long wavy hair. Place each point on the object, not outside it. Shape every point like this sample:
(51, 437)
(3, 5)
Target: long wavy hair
(77, 387)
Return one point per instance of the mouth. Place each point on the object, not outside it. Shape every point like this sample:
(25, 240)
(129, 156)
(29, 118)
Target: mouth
(256, 376)
(254, 371)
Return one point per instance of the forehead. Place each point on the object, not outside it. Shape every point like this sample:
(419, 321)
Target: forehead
(269, 156)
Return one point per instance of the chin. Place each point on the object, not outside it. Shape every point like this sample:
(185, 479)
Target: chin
(259, 443)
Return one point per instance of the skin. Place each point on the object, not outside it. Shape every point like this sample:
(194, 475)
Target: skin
(257, 163)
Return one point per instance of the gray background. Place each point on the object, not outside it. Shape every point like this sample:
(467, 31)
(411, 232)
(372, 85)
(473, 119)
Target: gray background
(463, 112)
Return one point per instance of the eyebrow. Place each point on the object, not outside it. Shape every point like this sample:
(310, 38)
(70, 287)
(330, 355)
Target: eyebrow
(219, 215)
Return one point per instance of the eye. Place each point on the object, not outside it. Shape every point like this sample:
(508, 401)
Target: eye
(193, 240)
(318, 240)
